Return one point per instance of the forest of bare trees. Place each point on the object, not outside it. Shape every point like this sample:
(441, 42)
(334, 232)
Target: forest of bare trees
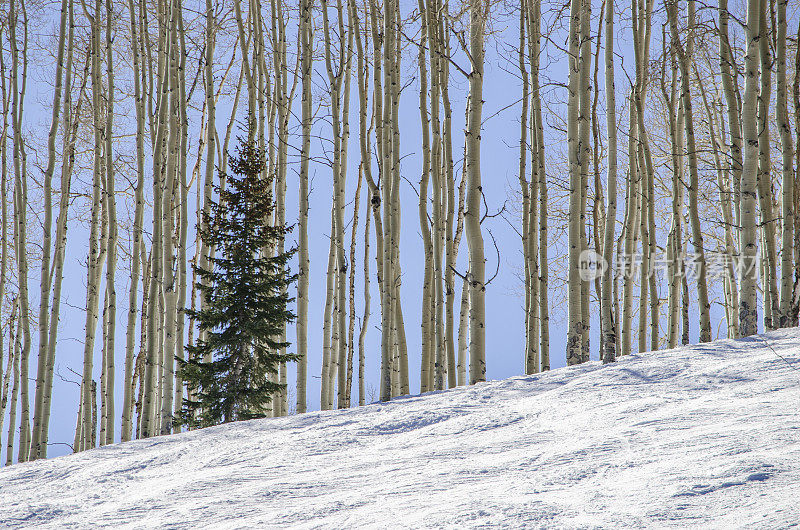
(643, 197)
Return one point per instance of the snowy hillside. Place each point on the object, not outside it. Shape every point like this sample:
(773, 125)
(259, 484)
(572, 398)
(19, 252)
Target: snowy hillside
(703, 436)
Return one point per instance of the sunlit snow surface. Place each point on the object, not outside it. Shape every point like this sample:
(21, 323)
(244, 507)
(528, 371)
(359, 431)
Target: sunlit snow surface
(705, 437)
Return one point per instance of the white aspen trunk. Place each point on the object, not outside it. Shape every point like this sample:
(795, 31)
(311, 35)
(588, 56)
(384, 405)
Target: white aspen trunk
(304, 263)
(536, 110)
(451, 245)
(479, 11)
(183, 225)
(345, 346)
(169, 205)
(575, 327)
(684, 59)
(352, 297)
(764, 180)
(394, 94)
(338, 265)
(4, 240)
(609, 326)
(385, 156)
(45, 364)
(111, 252)
(675, 243)
(731, 296)
(327, 324)
(14, 360)
(130, 337)
(730, 84)
(438, 188)
(431, 358)
(20, 214)
(787, 188)
(530, 360)
(140, 370)
(748, 312)
(152, 380)
(362, 73)
(630, 227)
(365, 319)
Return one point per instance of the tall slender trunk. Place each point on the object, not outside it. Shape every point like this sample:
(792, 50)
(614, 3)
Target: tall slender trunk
(45, 364)
(20, 213)
(479, 11)
(748, 312)
(306, 65)
(787, 188)
(764, 178)
(609, 326)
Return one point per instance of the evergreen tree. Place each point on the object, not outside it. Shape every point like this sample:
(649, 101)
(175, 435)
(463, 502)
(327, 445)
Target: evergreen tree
(245, 290)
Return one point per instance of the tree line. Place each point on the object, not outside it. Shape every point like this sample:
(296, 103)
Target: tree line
(144, 97)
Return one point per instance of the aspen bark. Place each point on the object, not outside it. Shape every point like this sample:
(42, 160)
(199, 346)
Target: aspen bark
(609, 326)
(306, 65)
(694, 180)
(787, 188)
(14, 341)
(130, 337)
(45, 364)
(576, 324)
(748, 312)
(764, 179)
(479, 11)
(20, 213)
(431, 357)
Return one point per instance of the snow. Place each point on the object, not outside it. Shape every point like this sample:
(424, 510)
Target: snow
(704, 436)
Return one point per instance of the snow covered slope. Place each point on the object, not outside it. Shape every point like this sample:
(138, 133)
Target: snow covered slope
(702, 436)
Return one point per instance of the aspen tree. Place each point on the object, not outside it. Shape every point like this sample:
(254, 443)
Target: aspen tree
(730, 85)
(478, 13)
(451, 244)
(609, 326)
(328, 328)
(4, 379)
(577, 73)
(306, 65)
(431, 357)
(130, 338)
(20, 214)
(748, 312)
(336, 276)
(642, 18)
(630, 228)
(344, 345)
(674, 248)
(15, 347)
(731, 296)
(530, 359)
(107, 393)
(44, 364)
(366, 162)
(764, 180)
(71, 123)
(344, 401)
(694, 180)
(152, 381)
(385, 156)
(365, 319)
(170, 294)
(183, 225)
(438, 188)
(211, 136)
(535, 21)
(787, 188)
